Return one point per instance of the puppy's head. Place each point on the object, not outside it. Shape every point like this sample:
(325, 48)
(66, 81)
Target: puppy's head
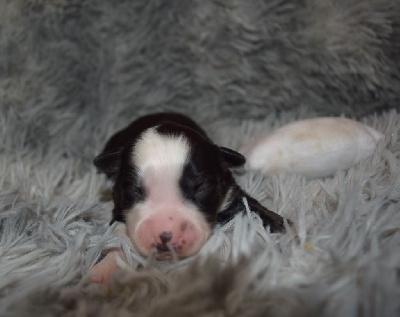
(171, 182)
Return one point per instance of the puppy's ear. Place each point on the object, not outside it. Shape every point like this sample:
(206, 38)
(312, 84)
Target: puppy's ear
(108, 163)
(231, 157)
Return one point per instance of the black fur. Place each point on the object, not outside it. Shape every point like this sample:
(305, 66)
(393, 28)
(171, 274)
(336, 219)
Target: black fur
(269, 218)
(206, 177)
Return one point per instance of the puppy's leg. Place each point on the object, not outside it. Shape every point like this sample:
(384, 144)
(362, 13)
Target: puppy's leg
(102, 271)
(268, 217)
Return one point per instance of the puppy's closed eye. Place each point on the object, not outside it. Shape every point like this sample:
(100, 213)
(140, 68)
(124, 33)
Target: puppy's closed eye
(201, 188)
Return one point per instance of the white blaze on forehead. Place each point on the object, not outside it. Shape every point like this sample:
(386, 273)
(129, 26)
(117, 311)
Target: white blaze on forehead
(158, 150)
(160, 159)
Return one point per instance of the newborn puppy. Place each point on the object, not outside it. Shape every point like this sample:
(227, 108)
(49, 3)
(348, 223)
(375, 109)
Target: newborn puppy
(173, 184)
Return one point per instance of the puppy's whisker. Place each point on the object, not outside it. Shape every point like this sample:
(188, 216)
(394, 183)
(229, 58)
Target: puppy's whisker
(151, 259)
(173, 252)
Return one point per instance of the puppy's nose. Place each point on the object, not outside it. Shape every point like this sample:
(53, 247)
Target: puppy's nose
(165, 237)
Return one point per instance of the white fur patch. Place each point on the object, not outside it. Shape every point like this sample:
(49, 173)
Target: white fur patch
(160, 152)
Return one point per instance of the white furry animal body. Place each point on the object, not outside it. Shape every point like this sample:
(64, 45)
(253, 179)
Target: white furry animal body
(315, 147)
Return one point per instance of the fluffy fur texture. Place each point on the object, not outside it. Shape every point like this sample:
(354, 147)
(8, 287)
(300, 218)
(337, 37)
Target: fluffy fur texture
(316, 147)
(73, 72)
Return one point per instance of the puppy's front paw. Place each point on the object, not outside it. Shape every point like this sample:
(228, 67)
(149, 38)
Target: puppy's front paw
(102, 271)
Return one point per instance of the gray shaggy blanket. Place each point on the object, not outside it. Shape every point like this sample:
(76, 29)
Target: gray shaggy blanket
(72, 72)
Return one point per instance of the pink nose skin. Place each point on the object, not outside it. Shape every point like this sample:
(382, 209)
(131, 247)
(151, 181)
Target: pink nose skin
(164, 233)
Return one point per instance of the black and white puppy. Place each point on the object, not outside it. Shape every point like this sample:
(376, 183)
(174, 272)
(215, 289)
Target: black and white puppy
(173, 185)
